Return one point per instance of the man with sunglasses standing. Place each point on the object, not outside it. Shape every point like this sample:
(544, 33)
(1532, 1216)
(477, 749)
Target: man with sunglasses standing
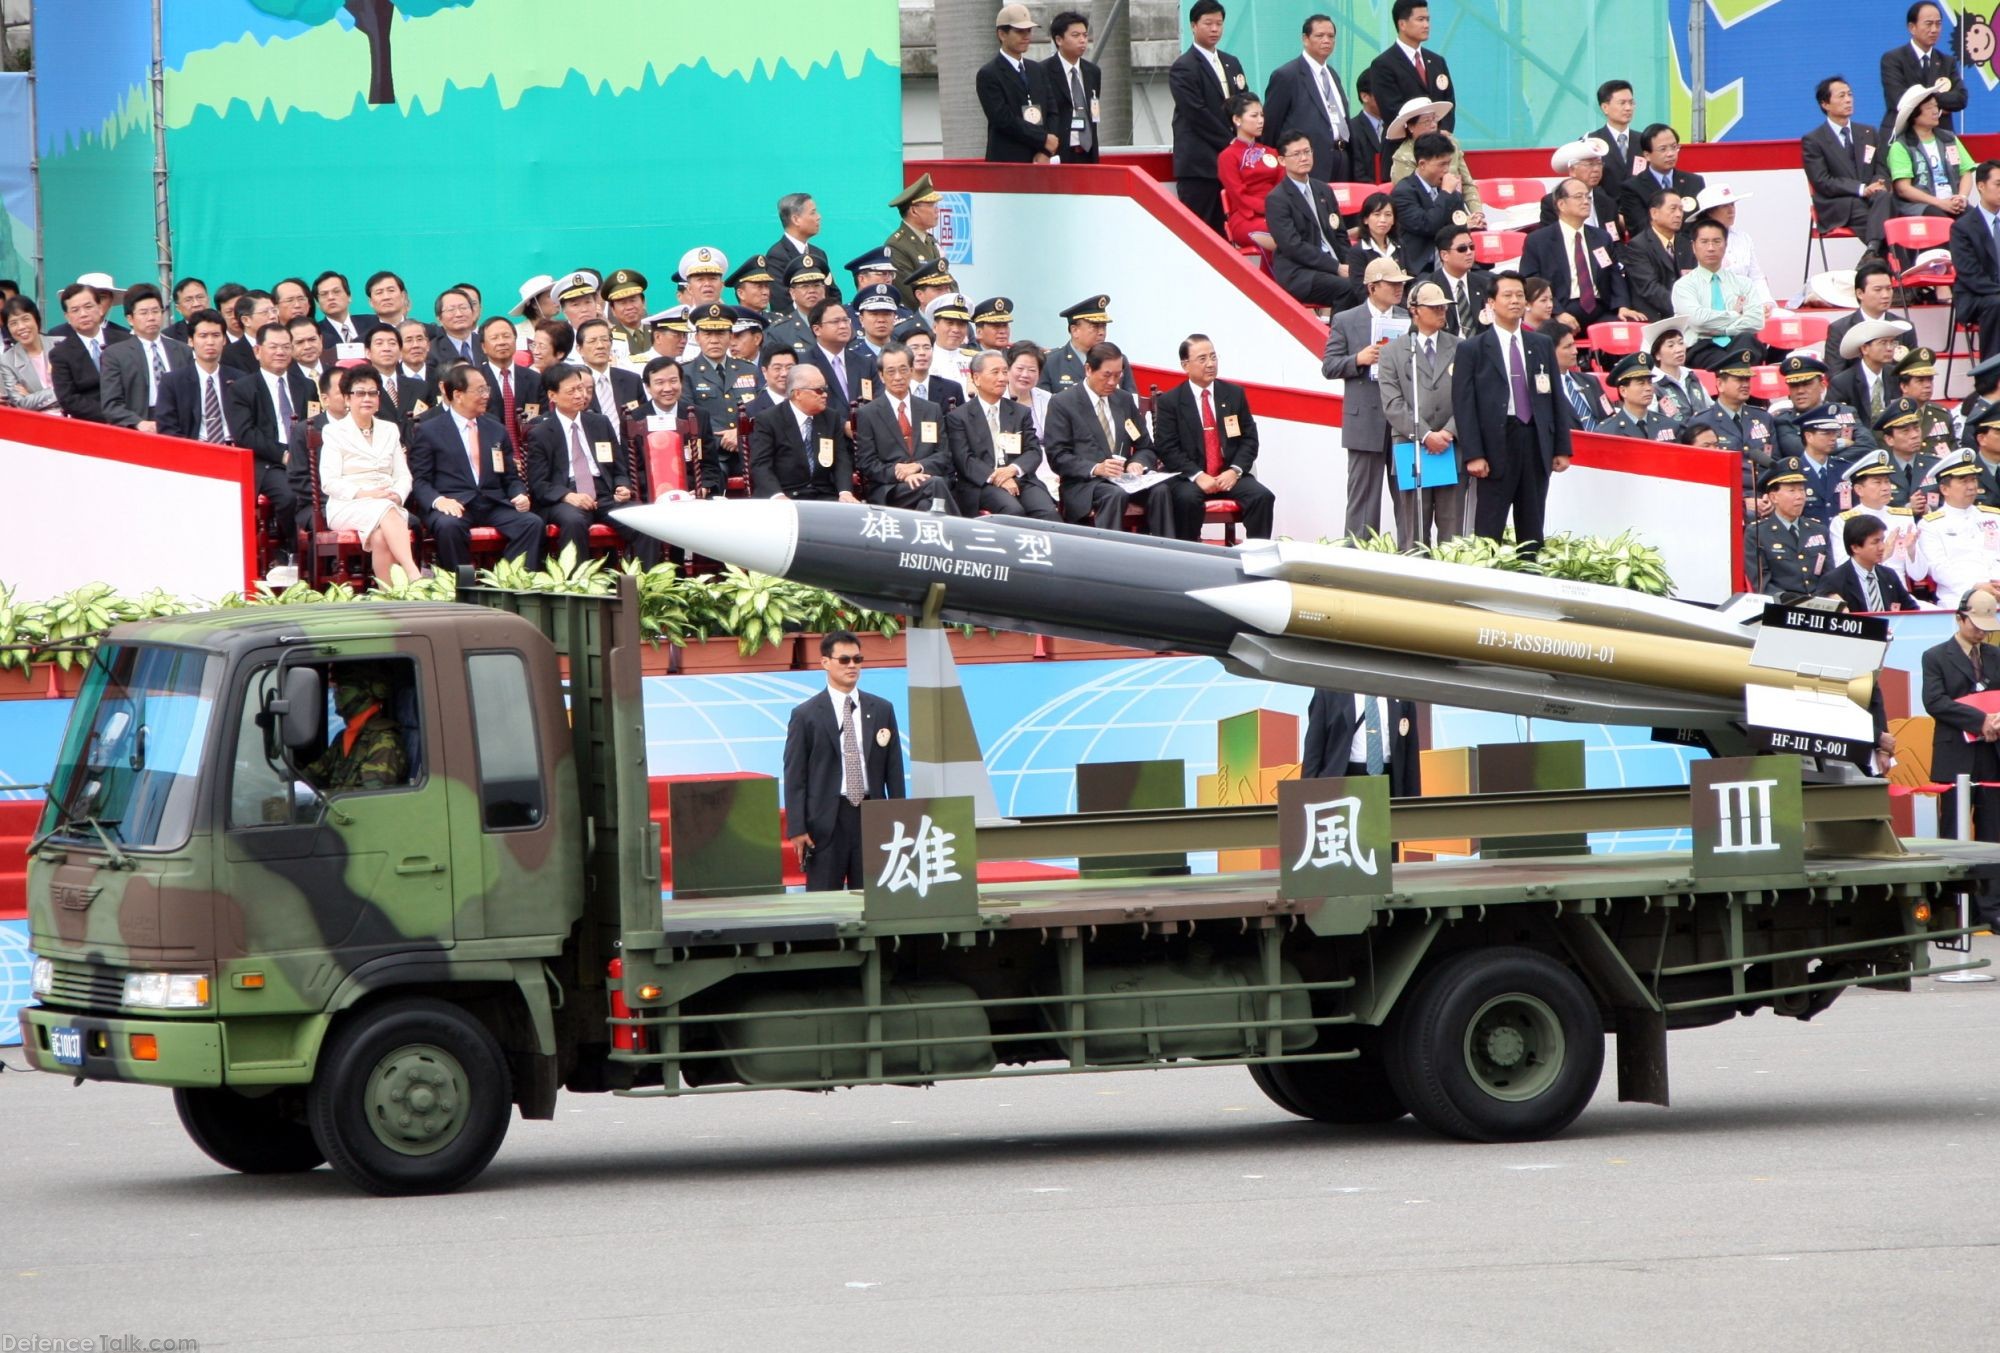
(841, 749)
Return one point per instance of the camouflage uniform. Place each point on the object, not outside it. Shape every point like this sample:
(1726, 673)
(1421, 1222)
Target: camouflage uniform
(370, 756)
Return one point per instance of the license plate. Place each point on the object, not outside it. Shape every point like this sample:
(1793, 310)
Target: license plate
(67, 1045)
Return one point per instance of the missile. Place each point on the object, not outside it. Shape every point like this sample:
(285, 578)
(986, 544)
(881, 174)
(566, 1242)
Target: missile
(1325, 616)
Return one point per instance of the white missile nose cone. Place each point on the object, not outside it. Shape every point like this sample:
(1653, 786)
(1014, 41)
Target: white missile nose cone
(1265, 606)
(759, 534)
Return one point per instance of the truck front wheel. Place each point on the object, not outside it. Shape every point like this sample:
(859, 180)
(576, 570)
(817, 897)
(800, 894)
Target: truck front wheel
(411, 1097)
(1497, 1045)
(252, 1135)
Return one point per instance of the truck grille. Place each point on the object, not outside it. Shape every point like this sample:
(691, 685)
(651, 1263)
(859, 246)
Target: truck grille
(89, 985)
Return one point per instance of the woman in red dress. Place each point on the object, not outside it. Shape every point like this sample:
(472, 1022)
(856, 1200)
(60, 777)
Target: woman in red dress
(1248, 170)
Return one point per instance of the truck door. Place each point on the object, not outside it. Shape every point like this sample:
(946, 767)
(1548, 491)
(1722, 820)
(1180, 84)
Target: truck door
(366, 870)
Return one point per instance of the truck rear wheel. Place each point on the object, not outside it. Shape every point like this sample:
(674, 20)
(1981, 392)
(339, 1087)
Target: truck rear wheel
(411, 1097)
(252, 1135)
(1332, 1092)
(1497, 1045)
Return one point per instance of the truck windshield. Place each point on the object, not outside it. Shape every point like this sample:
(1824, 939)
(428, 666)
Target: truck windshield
(132, 756)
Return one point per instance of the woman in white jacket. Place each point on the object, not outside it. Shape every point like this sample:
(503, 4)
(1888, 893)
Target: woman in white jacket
(364, 476)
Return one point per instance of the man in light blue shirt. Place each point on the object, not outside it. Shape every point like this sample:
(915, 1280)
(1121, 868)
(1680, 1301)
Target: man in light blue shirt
(1722, 312)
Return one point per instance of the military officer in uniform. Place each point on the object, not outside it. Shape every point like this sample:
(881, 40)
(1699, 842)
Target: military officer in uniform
(875, 307)
(1959, 545)
(1916, 374)
(1806, 384)
(577, 297)
(1985, 375)
(951, 320)
(993, 325)
(1871, 485)
(624, 291)
(913, 241)
(1819, 430)
(716, 383)
(1983, 431)
(746, 334)
(752, 284)
(1089, 323)
(667, 332)
(806, 281)
(1636, 417)
(1910, 466)
(1739, 426)
(1785, 554)
(875, 268)
(703, 269)
(924, 282)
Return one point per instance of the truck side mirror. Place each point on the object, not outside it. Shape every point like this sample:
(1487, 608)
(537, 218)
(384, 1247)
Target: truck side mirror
(302, 709)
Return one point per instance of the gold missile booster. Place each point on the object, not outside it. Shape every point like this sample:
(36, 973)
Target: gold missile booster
(1461, 633)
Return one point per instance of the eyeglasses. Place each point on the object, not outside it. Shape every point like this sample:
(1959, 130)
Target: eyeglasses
(364, 394)
(848, 659)
(1461, 249)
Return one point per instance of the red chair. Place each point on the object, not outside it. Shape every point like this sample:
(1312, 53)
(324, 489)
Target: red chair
(1614, 338)
(1510, 192)
(1707, 379)
(1767, 384)
(1813, 232)
(1350, 196)
(1496, 246)
(1786, 332)
(323, 546)
(1914, 235)
(667, 461)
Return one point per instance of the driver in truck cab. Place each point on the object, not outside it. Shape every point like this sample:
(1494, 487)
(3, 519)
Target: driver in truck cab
(368, 752)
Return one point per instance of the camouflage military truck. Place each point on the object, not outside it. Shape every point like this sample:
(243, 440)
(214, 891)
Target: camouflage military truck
(358, 882)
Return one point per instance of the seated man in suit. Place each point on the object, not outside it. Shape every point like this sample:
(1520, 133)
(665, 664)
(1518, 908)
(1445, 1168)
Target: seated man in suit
(1350, 734)
(799, 449)
(74, 361)
(575, 474)
(1660, 146)
(925, 381)
(850, 374)
(1096, 436)
(462, 476)
(1655, 258)
(1845, 167)
(132, 372)
(1305, 227)
(1203, 430)
(1575, 257)
(1584, 161)
(996, 459)
(264, 406)
(667, 409)
(191, 397)
(899, 442)
(1874, 288)
(1977, 259)
(1424, 206)
(842, 748)
(1466, 288)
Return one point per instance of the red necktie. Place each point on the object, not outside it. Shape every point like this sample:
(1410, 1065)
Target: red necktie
(1211, 436)
(471, 450)
(1423, 76)
(507, 405)
(903, 422)
(1584, 288)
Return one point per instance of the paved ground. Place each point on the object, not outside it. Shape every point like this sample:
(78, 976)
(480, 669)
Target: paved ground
(1825, 1186)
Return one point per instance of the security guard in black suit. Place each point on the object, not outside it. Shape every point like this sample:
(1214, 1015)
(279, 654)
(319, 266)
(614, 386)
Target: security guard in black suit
(1960, 666)
(716, 383)
(1916, 377)
(1089, 323)
(752, 282)
(1634, 376)
(1785, 554)
(1912, 468)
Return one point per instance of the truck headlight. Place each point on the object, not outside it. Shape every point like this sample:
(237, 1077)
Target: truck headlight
(42, 977)
(166, 990)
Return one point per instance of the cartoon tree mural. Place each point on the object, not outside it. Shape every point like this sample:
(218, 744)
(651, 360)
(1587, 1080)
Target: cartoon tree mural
(370, 17)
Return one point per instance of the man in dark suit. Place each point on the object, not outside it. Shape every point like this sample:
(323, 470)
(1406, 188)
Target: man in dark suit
(842, 748)
(1408, 70)
(1466, 287)
(400, 395)
(1976, 294)
(616, 392)
(1202, 429)
(1919, 62)
(1095, 434)
(1845, 167)
(193, 398)
(338, 324)
(575, 477)
(1513, 432)
(850, 373)
(996, 459)
(131, 372)
(1655, 258)
(667, 409)
(1305, 95)
(1364, 134)
(1305, 226)
(800, 449)
(253, 310)
(106, 294)
(1596, 290)
(1075, 86)
(462, 475)
(1874, 288)
(1615, 101)
(1423, 207)
(926, 381)
(73, 362)
(1584, 161)
(1351, 734)
(1014, 94)
(264, 408)
(1660, 145)
(1964, 665)
(1202, 80)
(1864, 584)
(899, 442)
(798, 222)
(516, 398)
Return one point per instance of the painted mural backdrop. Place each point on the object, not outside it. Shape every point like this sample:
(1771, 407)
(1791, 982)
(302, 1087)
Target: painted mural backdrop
(480, 140)
(17, 188)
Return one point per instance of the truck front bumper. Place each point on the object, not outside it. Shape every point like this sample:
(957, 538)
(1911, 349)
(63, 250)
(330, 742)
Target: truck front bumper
(181, 1052)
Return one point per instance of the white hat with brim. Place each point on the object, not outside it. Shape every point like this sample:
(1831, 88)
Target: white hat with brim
(1834, 288)
(540, 287)
(1718, 195)
(101, 281)
(1588, 148)
(1866, 332)
(1415, 108)
(1660, 328)
(1906, 107)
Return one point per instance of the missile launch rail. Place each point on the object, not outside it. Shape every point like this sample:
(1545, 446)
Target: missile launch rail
(378, 978)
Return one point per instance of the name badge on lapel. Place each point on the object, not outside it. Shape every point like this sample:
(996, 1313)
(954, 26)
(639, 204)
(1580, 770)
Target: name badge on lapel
(927, 432)
(1232, 426)
(867, 389)
(826, 453)
(499, 461)
(1541, 382)
(1132, 430)
(604, 453)
(1008, 445)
